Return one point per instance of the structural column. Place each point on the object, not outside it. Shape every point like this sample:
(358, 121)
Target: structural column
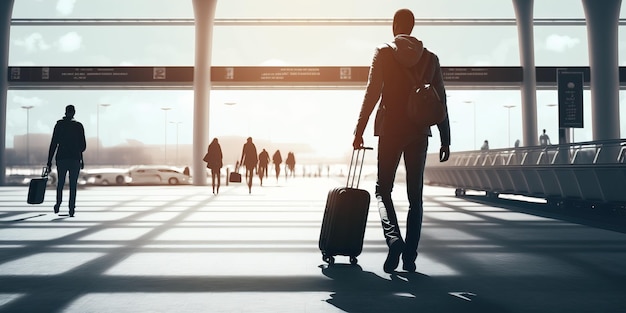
(602, 29)
(6, 11)
(525, 33)
(204, 14)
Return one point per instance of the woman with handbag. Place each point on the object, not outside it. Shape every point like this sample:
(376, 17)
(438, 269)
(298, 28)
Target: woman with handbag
(213, 157)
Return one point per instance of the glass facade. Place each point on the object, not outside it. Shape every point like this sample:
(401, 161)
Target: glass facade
(323, 119)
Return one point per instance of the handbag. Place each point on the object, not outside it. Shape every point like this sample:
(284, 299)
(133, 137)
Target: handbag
(235, 176)
(424, 107)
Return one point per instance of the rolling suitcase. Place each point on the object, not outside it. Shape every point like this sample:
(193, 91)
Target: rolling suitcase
(345, 216)
(37, 188)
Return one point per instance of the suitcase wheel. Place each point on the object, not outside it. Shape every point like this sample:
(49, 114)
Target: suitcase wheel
(353, 260)
(328, 259)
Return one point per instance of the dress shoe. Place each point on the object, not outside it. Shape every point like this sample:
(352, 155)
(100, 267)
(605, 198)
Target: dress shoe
(393, 257)
(409, 267)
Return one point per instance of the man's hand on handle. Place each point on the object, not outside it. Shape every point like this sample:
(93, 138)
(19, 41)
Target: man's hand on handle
(358, 142)
(444, 153)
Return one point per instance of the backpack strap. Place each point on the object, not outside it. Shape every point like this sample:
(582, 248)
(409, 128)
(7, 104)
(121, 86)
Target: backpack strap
(427, 56)
(423, 64)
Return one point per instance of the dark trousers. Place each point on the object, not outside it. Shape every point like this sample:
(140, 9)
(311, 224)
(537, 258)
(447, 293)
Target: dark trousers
(63, 167)
(216, 174)
(262, 170)
(389, 153)
(249, 175)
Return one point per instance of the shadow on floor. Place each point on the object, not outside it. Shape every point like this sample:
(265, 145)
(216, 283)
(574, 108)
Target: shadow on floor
(355, 290)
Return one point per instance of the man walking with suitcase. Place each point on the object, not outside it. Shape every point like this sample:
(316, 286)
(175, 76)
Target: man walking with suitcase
(398, 136)
(68, 141)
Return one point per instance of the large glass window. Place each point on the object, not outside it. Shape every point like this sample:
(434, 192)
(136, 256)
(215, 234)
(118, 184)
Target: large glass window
(251, 46)
(323, 119)
(262, 9)
(561, 46)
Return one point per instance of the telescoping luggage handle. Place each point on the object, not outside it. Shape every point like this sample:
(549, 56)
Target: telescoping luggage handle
(354, 164)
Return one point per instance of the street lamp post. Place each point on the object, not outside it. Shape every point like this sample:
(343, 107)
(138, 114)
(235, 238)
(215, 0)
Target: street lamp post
(98, 130)
(27, 108)
(508, 107)
(474, 116)
(177, 124)
(165, 135)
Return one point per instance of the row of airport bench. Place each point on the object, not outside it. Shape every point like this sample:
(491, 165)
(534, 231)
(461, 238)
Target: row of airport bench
(592, 172)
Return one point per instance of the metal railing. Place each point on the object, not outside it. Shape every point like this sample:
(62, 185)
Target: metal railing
(586, 171)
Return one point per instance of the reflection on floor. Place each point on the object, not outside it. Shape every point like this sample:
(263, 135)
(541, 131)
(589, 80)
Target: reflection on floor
(183, 249)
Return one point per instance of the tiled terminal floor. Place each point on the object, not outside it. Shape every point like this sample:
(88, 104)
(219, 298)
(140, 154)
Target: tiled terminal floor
(183, 249)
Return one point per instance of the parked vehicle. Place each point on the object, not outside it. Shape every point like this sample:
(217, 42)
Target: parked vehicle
(154, 174)
(106, 176)
(24, 179)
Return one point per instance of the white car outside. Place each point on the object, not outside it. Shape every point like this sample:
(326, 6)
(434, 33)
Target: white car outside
(106, 176)
(146, 174)
(25, 179)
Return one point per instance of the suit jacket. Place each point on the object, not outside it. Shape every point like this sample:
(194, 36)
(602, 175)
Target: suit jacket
(388, 82)
(68, 140)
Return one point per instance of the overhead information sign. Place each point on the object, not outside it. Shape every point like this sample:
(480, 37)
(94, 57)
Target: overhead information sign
(482, 74)
(549, 75)
(242, 74)
(301, 74)
(100, 74)
(278, 75)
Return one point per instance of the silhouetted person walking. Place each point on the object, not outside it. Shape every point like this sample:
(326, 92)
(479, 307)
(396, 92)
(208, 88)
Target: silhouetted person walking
(485, 146)
(291, 164)
(398, 136)
(277, 159)
(214, 161)
(544, 139)
(68, 142)
(264, 161)
(249, 159)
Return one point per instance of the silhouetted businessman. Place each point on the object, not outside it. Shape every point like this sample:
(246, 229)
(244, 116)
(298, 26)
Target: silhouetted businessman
(544, 139)
(249, 159)
(277, 159)
(264, 161)
(68, 141)
(398, 136)
(291, 164)
(485, 146)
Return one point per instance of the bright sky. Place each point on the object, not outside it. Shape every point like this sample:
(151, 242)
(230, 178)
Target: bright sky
(324, 119)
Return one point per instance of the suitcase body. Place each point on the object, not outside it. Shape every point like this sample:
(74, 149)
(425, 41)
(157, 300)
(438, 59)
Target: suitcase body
(343, 224)
(234, 177)
(345, 218)
(37, 188)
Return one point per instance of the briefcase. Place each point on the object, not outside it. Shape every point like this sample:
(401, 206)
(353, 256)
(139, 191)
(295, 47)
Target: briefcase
(234, 177)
